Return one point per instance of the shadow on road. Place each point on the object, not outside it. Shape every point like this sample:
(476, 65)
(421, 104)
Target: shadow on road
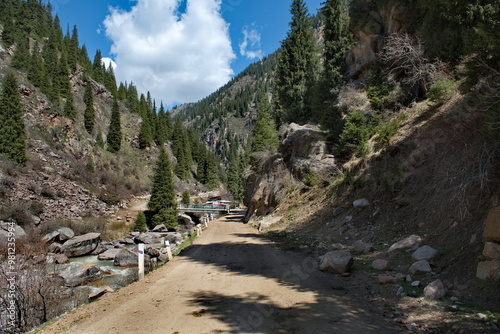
(329, 309)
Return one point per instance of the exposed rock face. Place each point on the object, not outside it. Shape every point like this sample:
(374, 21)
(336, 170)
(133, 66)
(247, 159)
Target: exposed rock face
(81, 245)
(78, 274)
(337, 262)
(307, 152)
(435, 290)
(371, 22)
(411, 242)
(491, 251)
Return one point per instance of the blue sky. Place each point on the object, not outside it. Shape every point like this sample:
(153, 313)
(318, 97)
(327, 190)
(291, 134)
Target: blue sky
(180, 51)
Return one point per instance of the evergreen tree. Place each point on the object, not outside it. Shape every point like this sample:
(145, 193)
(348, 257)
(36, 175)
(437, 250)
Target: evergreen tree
(297, 70)
(12, 131)
(338, 42)
(110, 80)
(234, 177)
(162, 202)
(186, 197)
(145, 135)
(140, 224)
(61, 82)
(89, 115)
(161, 133)
(21, 59)
(69, 107)
(97, 69)
(264, 133)
(182, 150)
(115, 130)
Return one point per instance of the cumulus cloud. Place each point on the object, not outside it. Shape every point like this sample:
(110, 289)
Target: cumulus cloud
(178, 57)
(251, 47)
(108, 61)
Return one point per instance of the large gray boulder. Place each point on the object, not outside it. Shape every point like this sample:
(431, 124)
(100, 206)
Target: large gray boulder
(425, 253)
(420, 267)
(337, 262)
(110, 254)
(361, 247)
(11, 227)
(126, 258)
(65, 233)
(79, 274)
(435, 290)
(412, 242)
(147, 238)
(185, 219)
(81, 245)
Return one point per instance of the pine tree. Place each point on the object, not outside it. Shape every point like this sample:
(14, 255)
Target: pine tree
(12, 131)
(338, 42)
(162, 202)
(161, 133)
(140, 224)
(69, 107)
(115, 130)
(186, 197)
(89, 115)
(22, 55)
(97, 68)
(145, 135)
(182, 150)
(297, 70)
(264, 134)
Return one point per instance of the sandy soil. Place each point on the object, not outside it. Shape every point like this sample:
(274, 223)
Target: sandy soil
(232, 280)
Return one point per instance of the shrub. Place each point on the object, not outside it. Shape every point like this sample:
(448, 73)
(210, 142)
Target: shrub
(386, 131)
(357, 130)
(186, 197)
(442, 91)
(48, 192)
(140, 223)
(363, 149)
(311, 179)
(36, 207)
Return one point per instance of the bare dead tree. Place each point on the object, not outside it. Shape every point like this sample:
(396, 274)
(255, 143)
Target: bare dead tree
(405, 56)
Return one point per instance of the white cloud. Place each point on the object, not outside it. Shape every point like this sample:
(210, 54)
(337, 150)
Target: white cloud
(251, 47)
(107, 61)
(178, 57)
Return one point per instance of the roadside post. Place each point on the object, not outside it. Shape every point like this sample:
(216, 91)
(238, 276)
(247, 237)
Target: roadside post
(141, 261)
(169, 250)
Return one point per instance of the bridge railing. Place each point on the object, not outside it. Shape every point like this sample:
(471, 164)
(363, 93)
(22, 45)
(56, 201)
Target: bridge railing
(205, 207)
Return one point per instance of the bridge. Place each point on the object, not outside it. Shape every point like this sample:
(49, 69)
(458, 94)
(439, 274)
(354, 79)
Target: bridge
(215, 209)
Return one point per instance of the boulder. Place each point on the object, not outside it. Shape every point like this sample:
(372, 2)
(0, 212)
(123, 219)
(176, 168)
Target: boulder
(126, 258)
(153, 252)
(185, 219)
(420, 267)
(101, 292)
(361, 247)
(55, 248)
(174, 238)
(81, 245)
(160, 228)
(127, 241)
(387, 279)
(6, 228)
(492, 226)
(65, 233)
(488, 270)
(381, 264)
(361, 203)
(51, 237)
(146, 238)
(110, 254)
(61, 259)
(425, 253)
(338, 262)
(79, 274)
(491, 251)
(101, 249)
(412, 242)
(338, 211)
(435, 290)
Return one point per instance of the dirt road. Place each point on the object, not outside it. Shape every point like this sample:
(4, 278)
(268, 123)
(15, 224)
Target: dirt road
(231, 281)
